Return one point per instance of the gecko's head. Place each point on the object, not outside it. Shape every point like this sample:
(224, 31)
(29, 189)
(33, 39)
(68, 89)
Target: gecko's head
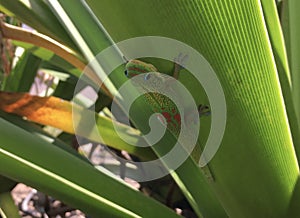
(136, 67)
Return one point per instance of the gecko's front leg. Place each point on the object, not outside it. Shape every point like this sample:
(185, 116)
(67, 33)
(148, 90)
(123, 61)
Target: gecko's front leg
(179, 64)
(203, 110)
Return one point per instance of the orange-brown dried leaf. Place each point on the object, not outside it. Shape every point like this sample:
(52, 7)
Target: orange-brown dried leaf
(50, 111)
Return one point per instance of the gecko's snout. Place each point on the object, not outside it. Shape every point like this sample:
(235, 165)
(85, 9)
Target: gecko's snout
(126, 73)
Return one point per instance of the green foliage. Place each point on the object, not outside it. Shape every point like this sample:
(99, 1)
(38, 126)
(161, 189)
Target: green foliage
(256, 167)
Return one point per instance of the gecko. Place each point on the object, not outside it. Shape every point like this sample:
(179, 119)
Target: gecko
(168, 112)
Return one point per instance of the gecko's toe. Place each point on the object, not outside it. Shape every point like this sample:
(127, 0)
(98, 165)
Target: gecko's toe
(203, 110)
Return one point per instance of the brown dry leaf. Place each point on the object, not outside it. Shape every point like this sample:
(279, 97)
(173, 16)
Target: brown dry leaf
(69, 117)
(50, 111)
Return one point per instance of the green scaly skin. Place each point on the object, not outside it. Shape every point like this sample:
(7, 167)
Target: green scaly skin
(160, 103)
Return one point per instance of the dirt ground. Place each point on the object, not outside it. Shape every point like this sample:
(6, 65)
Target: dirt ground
(35, 204)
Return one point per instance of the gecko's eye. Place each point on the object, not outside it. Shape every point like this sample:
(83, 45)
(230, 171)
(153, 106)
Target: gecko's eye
(147, 76)
(126, 73)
